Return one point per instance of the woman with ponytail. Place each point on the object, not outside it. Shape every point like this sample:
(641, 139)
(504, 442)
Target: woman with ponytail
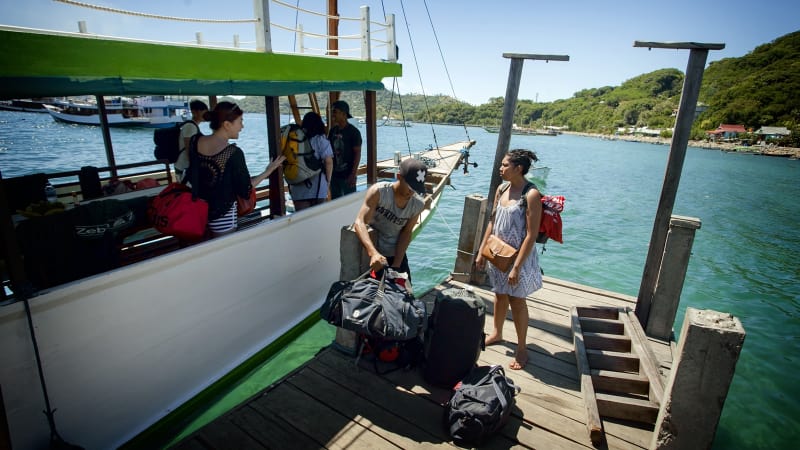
(222, 172)
(519, 228)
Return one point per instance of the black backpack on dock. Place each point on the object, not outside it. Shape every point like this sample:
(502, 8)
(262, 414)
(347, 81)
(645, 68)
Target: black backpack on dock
(480, 406)
(454, 338)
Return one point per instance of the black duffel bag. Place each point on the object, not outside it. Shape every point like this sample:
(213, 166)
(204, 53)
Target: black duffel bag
(373, 307)
(480, 405)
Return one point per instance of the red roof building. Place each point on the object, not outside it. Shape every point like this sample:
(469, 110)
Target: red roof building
(726, 131)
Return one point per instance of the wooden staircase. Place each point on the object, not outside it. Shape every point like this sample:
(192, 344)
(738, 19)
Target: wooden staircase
(618, 372)
(313, 106)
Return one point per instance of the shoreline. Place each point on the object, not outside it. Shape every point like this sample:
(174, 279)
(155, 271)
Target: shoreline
(783, 152)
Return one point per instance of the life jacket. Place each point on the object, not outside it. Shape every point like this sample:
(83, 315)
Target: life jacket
(301, 162)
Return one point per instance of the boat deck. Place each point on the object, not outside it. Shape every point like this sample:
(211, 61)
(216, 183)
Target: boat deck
(331, 403)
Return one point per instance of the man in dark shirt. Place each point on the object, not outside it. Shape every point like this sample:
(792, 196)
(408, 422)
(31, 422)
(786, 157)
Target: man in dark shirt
(346, 143)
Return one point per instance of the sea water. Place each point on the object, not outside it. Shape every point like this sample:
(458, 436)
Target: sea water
(744, 259)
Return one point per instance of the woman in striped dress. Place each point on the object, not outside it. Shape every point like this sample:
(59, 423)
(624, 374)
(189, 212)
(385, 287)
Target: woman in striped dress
(517, 227)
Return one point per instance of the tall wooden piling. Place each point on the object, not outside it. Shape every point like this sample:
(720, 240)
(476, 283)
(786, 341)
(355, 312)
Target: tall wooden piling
(698, 54)
(509, 107)
(671, 275)
(710, 344)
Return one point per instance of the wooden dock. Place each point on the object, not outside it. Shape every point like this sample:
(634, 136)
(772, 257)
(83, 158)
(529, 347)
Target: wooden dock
(330, 403)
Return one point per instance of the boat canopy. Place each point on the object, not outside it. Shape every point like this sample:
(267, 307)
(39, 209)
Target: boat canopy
(50, 64)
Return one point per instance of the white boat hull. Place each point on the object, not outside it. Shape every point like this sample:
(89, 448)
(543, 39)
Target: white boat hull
(122, 349)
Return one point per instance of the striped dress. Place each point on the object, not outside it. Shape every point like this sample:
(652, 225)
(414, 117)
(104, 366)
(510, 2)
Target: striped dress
(509, 225)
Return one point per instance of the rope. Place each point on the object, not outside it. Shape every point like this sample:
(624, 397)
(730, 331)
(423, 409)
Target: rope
(441, 54)
(154, 16)
(424, 96)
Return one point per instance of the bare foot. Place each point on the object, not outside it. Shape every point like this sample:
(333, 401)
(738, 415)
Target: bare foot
(492, 339)
(518, 362)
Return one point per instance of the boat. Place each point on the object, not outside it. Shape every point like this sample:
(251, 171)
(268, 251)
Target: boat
(118, 354)
(391, 122)
(25, 105)
(539, 173)
(147, 112)
(525, 131)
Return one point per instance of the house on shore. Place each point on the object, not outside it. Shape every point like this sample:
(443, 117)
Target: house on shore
(726, 132)
(773, 132)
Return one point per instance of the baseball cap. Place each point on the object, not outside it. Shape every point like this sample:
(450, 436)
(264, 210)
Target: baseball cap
(342, 106)
(413, 172)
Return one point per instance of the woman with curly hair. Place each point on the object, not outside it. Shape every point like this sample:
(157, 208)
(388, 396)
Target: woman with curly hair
(519, 228)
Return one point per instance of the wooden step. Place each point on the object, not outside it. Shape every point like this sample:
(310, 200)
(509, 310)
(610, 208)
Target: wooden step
(605, 341)
(613, 357)
(627, 408)
(610, 381)
(595, 325)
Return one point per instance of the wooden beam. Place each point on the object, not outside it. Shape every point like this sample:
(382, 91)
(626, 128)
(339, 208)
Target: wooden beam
(679, 45)
(536, 57)
(593, 424)
(649, 363)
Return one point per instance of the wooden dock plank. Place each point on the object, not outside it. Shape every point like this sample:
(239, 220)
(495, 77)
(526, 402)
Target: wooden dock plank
(331, 403)
(319, 421)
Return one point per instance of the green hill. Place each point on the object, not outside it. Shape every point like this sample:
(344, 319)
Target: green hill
(758, 89)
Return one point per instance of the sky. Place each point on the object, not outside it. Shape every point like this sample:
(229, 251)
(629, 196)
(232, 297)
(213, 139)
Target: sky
(456, 47)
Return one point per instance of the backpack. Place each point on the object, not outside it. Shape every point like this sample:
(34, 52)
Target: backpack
(167, 141)
(480, 405)
(301, 162)
(548, 209)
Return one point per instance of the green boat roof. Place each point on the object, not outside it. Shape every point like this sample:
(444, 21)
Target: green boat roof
(51, 64)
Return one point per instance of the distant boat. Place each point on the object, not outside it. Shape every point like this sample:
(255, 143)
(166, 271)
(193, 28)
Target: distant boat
(525, 131)
(540, 173)
(394, 123)
(148, 112)
(25, 105)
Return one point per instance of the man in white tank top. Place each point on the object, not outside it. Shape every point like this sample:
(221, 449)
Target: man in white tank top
(392, 208)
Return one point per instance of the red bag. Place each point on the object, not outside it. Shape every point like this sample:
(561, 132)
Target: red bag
(246, 206)
(174, 212)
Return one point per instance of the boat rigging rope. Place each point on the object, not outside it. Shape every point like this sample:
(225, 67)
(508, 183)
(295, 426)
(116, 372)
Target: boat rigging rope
(422, 87)
(441, 54)
(154, 16)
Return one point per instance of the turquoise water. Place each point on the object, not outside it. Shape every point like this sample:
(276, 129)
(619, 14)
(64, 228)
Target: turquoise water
(744, 260)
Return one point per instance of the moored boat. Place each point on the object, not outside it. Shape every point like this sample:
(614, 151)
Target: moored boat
(148, 112)
(127, 347)
(25, 105)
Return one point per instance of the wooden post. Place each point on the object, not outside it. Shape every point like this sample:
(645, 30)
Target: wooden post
(277, 197)
(710, 344)
(509, 107)
(370, 106)
(677, 152)
(101, 111)
(672, 273)
(263, 39)
(469, 238)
